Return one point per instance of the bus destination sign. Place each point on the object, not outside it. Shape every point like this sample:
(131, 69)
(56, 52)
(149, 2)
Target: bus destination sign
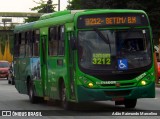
(112, 20)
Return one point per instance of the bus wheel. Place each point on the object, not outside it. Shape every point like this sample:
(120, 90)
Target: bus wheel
(130, 103)
(64, 102)
(31, 93)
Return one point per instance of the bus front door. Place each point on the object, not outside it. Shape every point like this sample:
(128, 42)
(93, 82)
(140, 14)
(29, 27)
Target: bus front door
(71, 56)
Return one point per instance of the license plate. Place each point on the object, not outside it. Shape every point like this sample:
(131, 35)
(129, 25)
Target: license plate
(118, 99)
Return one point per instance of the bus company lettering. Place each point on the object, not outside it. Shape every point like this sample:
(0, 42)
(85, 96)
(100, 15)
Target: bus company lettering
(121, 20)
(106, 82)
(141, 76)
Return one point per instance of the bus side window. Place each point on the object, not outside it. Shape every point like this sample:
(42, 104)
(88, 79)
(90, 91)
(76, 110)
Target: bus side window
(36, 38)
(28, 44)
(16, 45)
(22, 44)
(61, 41)
(53, 41)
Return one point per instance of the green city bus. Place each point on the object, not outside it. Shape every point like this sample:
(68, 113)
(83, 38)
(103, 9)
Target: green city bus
(77, 56)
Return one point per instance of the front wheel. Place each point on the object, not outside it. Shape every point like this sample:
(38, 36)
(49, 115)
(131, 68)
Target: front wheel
(64, 102)
(130, 103)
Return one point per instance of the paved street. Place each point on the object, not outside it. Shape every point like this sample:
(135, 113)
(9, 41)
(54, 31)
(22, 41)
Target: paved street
(10, 99)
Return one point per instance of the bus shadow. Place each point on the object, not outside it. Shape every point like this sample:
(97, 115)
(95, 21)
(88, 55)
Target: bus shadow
(100, 108)
(97, 106)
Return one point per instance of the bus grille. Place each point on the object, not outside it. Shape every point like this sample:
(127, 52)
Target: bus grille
(117, 77)
(121, 85)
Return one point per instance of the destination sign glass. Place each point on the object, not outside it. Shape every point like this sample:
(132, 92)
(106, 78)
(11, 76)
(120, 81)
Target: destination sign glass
(102, 20)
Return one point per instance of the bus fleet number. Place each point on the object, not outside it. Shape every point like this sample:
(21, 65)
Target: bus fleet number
(101, 61)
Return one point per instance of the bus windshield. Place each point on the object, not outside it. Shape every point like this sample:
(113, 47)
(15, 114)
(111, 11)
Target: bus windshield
(130, 49)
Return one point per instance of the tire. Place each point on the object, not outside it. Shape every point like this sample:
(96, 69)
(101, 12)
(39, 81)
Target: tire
(130, 103)
(31, 93)
(65, 104)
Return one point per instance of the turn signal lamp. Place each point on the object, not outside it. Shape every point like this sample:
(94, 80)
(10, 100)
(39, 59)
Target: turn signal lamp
(90, 85)
(143, 82)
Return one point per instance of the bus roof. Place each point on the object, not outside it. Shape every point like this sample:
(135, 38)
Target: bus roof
(65, 16)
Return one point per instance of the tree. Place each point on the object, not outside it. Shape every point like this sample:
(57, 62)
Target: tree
(88, 4)
(43, 7)
(74, 4)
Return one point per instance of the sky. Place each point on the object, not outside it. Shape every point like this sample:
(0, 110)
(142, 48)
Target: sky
(25, 5)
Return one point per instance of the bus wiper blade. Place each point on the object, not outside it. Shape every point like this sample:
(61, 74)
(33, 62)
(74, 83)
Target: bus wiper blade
(106, 40)
(145, 39)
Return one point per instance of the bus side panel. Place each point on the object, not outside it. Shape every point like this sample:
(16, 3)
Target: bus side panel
(23, 66)
(51, 77)
(36, 76)
(16, 73)
(56, 72)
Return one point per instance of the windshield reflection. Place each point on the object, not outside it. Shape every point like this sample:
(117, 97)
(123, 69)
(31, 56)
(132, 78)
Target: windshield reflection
(132, 47)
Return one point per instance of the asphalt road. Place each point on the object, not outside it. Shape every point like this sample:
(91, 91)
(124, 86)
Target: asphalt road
(11, 100)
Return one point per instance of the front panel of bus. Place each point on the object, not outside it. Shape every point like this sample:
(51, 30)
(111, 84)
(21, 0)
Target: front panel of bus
(114, 57)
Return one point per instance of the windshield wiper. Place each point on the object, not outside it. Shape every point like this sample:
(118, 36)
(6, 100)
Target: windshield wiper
(106, 40)
(145, 39)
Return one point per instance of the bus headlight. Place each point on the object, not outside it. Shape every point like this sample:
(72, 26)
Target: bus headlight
(86, 82)
(90, 85)
(143, 82)
(146, 80)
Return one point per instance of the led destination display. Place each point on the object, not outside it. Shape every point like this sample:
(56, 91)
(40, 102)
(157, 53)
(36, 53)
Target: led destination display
(101, 20)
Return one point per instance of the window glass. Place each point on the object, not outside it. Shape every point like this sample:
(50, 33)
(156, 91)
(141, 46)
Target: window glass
(36, 37)
(109, 49)
(16, 45)
(61, 41)
(22, 45)
(28, 44)
(53, 41)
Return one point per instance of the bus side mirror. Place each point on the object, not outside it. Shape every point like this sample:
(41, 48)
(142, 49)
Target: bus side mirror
(73, 43)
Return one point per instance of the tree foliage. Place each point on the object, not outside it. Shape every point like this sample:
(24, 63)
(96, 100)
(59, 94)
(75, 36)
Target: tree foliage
(43, 7)
(152, 8)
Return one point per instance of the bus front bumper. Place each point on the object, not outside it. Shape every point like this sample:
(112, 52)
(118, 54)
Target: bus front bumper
(88, 94)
